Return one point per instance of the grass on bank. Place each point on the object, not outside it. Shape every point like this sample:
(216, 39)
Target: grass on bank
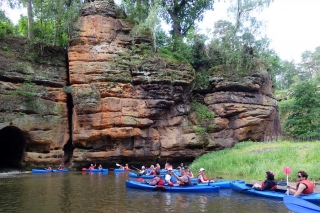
(250, 160)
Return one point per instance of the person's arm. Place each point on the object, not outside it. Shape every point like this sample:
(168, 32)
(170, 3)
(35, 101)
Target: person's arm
(174, 174)
(154, 181)
(300, 190)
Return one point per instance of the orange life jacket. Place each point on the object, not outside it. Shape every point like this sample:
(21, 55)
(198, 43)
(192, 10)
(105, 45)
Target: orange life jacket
(309, 184)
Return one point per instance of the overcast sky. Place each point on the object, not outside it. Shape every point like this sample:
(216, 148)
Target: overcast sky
(292, 25)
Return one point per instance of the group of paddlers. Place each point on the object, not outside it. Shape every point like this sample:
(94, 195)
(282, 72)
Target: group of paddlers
(182, 176)
(60, 167)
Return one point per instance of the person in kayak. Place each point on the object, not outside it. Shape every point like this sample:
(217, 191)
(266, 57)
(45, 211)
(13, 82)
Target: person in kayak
(184, 180)
(126, 167)
(158, 166)
(170, 179)
(142, 171)
(60, 167)
(100, 167)
(189, 173)
(92, 166)
(268, 184)
(303, 187)
(49, 168)
(152, 171)
(202, 177)
(157, 180)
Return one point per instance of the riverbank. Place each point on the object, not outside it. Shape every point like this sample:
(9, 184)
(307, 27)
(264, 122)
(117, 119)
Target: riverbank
(250, 160)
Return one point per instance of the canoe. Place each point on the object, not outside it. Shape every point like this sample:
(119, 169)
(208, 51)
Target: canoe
(98, 170)
(121, 170)
(279, 194)
(167, 188)
(48, 171)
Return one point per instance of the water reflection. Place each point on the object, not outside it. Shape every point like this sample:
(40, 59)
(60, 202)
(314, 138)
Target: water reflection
(100, 192)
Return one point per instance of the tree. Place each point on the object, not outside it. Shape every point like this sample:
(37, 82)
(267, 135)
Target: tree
(310, 64)
(304, 111)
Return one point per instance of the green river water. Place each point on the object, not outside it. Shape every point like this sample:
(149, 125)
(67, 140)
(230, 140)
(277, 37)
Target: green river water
(76, 192)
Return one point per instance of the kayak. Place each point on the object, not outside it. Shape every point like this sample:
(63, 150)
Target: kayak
(223, 184)
(98, 170)
(242, 187)
(167, 188)
(135, 175)
(48, 171)
(121, 170)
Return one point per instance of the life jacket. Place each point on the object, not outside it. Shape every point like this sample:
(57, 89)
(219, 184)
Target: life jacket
(91, 167)
(160, 182)
(274, 187)
(186, 184)
(190, 174)
(203, 177)
(60, 168)
(152, 172)
(309, 184)
(158, 167)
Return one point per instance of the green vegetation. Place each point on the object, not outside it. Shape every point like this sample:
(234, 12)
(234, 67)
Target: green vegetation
(250, 160)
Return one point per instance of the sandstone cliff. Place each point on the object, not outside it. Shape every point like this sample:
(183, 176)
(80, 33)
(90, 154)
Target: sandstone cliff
(126, 104)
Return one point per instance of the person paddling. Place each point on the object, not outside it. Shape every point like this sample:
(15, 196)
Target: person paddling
(184, 180)
(49, 168)
(142, 171)
(100, 167)
(202, 177)
(157, 180)
(303, 187)
(152, 171)
(92, 166)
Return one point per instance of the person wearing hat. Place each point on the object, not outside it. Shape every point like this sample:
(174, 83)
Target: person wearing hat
(92, 166)
(142, 171)
(170, 179)
(202, 177)
(268, 184)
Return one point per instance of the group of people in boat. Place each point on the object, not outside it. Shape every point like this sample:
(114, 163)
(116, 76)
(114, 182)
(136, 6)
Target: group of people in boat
(60, 167)
(94, 166)
(303, 187)
(182, 176)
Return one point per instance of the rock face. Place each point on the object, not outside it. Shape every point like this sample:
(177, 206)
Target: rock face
(126, 104)
(33, 100)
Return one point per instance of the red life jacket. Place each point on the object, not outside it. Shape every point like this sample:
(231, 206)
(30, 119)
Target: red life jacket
(152, 172)
(309, 184)
(158, 167)
(160, 182)
(203, 177)
(273, 187)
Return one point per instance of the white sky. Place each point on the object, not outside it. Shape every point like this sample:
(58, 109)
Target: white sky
(292, 25)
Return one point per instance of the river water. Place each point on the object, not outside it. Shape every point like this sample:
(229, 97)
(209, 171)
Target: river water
(76, 192)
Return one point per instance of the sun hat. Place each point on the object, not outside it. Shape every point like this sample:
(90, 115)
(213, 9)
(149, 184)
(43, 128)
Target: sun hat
(170, 168)
(143, 167)
(202, 169)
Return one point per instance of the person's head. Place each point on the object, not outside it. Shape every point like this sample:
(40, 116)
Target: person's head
(183, 172)
(202, 170)
(302, 175)
(91, 164)
(143, 168)
(126, 164)
(270, 175)
(152, 167)
(170, 169)
(157, 172)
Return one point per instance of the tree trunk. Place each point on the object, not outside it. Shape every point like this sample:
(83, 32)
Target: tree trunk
(30, 20)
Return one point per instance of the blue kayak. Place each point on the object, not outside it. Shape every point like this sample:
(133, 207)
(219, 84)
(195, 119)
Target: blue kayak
(177, 188)
(98, 170)
(277, 194)
(121, 170)
(135, 175)
(48, 171)
(223, 184)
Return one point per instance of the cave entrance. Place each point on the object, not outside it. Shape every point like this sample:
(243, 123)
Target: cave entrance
(12, 147)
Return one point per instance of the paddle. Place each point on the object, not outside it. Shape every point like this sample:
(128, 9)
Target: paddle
(287, 171)
(118, 165)
(299, 205)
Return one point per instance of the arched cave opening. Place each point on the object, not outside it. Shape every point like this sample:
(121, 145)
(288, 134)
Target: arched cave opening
(12, 147)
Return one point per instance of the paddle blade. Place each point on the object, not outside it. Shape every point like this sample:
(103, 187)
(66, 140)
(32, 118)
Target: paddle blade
(287, 170)
(140, 179)
(118, 164)
(299, 205)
